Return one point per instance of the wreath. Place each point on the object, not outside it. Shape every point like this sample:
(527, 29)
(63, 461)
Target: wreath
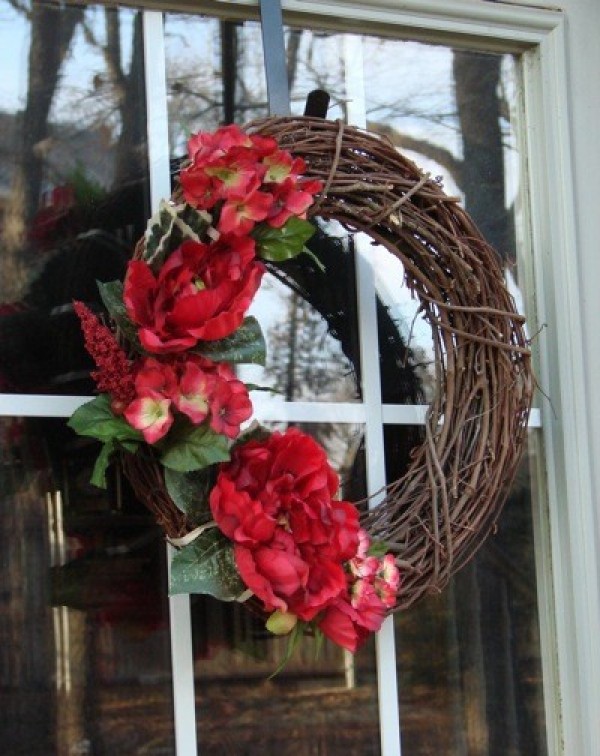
(255, 515)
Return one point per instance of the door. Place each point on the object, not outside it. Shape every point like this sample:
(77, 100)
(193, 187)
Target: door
(96, 658)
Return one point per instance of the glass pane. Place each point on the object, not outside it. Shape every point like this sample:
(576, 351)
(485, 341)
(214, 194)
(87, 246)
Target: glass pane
(215, 75)
(308, 316)
(84, 630)
(453, 112)
(73, 180)
(325, 704)
(469, 660)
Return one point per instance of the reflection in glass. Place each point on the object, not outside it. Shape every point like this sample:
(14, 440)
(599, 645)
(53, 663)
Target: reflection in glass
(307, 310)
(84, 631)
(215, 75)
(469, 660)
(453, 111)
(73, 180)
(314, 705)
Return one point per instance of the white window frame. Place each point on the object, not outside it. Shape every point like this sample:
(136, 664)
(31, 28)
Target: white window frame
(567, 555)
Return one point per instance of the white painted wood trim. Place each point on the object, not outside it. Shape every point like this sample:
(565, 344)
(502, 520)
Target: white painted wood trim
(180, 619)
(470, 22)
(387, 678)
(486, 20)
(574, 550)
(266, 409)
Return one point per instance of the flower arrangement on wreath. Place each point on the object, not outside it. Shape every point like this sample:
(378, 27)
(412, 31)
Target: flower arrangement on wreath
(267, 519)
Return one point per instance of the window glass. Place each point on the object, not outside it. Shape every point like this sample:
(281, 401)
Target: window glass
(469, 660)
(73, 180)
(84, 628)
(307, 309)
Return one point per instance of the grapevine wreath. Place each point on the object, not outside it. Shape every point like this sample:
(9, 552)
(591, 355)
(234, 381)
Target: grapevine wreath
(254, 515)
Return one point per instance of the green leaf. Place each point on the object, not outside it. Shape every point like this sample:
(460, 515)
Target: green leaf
(169, 227)
(112, 296)
(190, 448)
(102, 462)
(190, 491)
(256, 432)
(246, 345)
(269, 389)
(207, 565)
(294, 639)
(377, 549)
(279, 244)
(96, 420)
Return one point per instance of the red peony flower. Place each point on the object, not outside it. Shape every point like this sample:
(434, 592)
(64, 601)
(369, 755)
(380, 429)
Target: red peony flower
(339, 624)
(202, 292)
(275, 501)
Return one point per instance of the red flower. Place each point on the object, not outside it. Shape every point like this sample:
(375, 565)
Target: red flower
(223, 164)
(194, 392)
(230, 407)
(275, 501)
(201, 292)
(150, 412)
(114, 375)
(227, 397)
(373, 585)
(243, 210)
(291, 198)
(197, 387)
(339, 624)
(247, 178)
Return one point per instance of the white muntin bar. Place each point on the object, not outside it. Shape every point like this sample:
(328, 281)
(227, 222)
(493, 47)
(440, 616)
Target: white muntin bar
(182, 659)
(389, 720)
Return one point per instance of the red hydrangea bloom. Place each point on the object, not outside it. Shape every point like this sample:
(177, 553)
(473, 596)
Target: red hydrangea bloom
(226, 161)
(202, 292)
(373, 585)
(242, 210)
(291, 537)
(247, 178)
(291, 198)
(228, 398)
(150, 411)
(196, 387)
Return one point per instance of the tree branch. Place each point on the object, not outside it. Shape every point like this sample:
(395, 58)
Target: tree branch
(440, 155)
(21, 7)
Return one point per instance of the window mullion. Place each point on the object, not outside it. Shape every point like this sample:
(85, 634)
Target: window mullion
(182, 658)
(389, 720)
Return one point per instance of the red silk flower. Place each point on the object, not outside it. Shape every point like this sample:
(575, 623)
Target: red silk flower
(202, 292)
(194, 386)
(291, 537)
(248, 178)
(373, 584)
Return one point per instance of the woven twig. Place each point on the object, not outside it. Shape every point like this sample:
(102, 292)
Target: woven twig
(439, 513)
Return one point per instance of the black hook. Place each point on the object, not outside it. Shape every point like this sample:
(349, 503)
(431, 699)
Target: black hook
(317, 103)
